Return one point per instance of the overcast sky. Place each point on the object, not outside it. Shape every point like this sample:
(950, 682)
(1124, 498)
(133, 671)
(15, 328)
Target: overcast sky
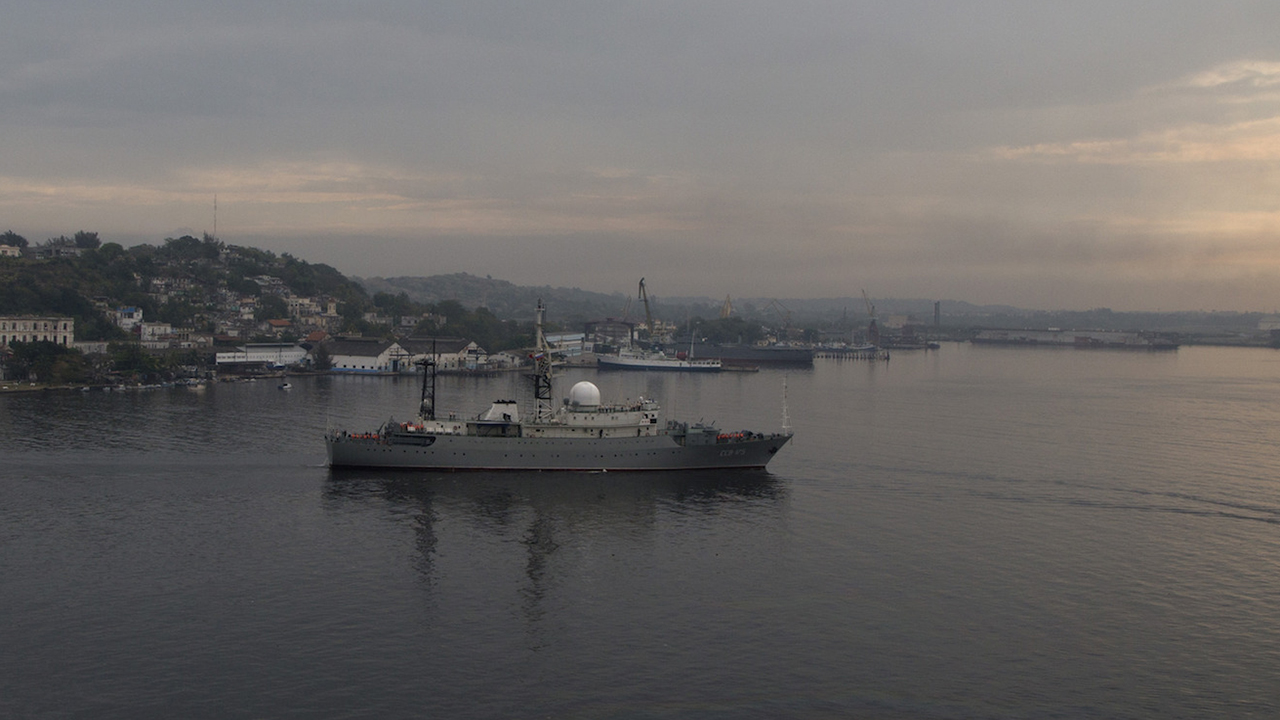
(1043, 154)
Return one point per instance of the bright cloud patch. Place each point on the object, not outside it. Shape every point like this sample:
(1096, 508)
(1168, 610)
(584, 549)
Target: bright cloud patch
(1257, 140)
(1245, 96)
(1245, 73)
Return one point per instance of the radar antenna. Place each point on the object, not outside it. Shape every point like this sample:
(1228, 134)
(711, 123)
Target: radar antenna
(786, 416)
(541, 369)
(428, 407)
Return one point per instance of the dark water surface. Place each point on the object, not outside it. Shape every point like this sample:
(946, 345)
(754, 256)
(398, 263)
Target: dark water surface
(969, 533)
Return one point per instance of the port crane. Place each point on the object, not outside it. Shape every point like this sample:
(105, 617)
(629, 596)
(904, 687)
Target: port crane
(784, 314)
(648, 316)
(873, 329)
(726, 310)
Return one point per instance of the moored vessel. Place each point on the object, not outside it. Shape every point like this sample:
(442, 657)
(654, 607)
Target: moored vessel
(774, 355)
(656, 361)
(1084, 339)
(583, 433)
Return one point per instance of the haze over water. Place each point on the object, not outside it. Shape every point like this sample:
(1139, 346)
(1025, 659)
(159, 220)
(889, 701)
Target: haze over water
(969, 533)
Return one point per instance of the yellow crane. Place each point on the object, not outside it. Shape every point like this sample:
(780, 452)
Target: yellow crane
(873, 330)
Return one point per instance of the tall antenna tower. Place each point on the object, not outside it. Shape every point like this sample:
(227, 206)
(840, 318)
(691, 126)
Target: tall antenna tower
(786, 414)
(542, 369)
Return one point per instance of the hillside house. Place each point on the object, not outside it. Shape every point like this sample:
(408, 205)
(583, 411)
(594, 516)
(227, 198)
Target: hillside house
(450, 353)
(59, 330)
(567, 344)
(126, 318)
(368, 356)
(56, 250)
(257, 356)
(277, 328)
(611, 332)
(149, 331)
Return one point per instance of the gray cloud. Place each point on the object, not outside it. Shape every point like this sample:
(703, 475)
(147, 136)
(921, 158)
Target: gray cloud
(1069, 154)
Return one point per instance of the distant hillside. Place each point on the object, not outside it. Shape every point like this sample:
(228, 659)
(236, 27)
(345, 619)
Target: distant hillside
(502, 298)
(571, 306)
(186, 282)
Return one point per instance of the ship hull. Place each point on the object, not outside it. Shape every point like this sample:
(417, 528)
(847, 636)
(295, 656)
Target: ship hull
(466, 452)
(747, 355)
(1089, 339)
(613, 362)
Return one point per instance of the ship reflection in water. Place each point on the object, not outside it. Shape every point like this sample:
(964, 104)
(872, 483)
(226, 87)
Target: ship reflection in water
(470, 521)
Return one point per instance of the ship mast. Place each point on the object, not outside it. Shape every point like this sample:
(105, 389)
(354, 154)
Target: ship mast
(428, 407)
(541, 369)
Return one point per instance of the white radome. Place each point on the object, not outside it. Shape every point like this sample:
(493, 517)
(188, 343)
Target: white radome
(584, 394)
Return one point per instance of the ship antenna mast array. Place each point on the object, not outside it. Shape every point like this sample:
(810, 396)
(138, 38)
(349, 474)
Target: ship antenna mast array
(428, 407)
(541, 369)
(786, 415)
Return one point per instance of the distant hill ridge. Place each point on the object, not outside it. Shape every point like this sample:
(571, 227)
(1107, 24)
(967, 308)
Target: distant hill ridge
(506, 299)
(572, 305)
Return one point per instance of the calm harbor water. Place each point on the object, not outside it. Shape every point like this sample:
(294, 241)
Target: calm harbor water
(968, 533)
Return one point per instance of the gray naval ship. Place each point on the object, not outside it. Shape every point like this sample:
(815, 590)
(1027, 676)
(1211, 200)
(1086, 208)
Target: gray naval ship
(581, 434)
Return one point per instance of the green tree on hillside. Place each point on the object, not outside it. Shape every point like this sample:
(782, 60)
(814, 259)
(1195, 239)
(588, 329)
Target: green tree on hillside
(241, 285)
(451, 310)
(484, 328)
(728, 330)
(109, 253)
(190, 248)
(271, 307)
(13, 239)
(321, 359)
(48, 362)
(396, 305)
(177, 312)
(130, 358)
